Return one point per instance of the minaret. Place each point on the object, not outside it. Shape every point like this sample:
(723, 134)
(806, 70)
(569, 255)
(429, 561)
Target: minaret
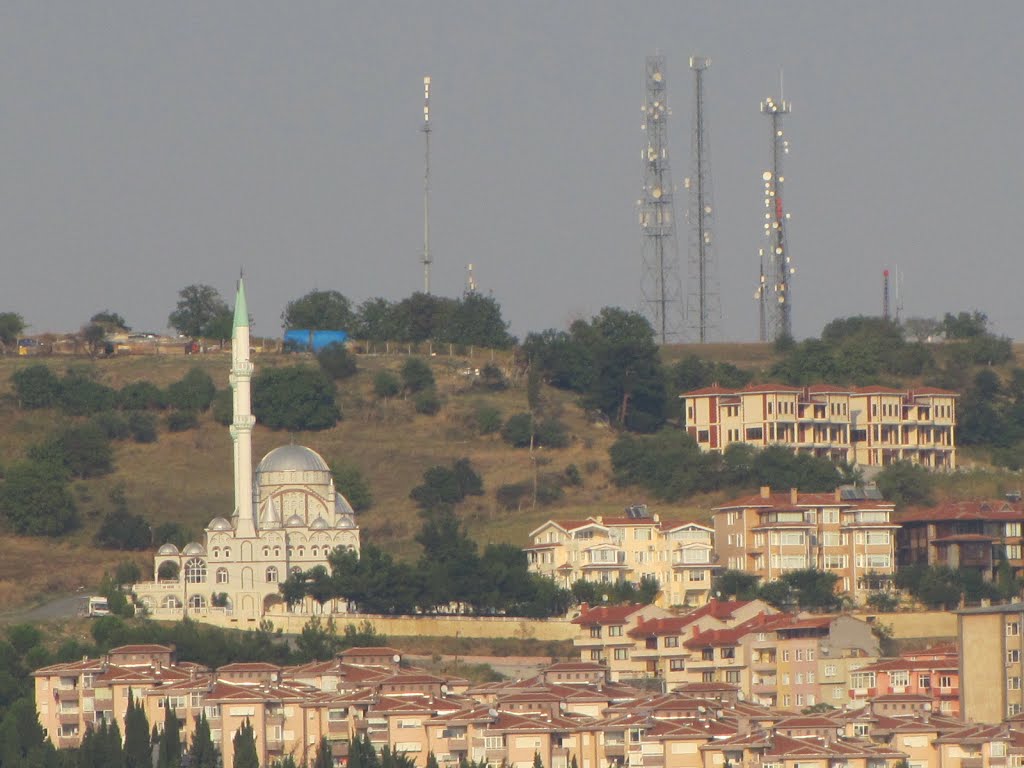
(241, 426)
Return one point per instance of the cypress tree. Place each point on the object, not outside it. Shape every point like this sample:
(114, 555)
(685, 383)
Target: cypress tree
(245, 747)
(170, 740)
(324, 758)
(138, 751)
(203, 752)
(537, 763)
(432, 760)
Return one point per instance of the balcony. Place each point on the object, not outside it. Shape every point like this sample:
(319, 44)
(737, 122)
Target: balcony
(458, 744)
(498, 755)
(339, 748)
(614, 749)
(68, 742)
(67, 694)
(275, 744)
(68, 718)
(971, 762)
(337, 726)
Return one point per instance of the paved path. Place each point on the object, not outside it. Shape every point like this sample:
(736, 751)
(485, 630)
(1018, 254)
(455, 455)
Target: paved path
(66, 607)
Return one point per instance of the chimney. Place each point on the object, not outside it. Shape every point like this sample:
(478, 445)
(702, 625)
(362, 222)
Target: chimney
(766, 491)
(793, 495)
(838, 495)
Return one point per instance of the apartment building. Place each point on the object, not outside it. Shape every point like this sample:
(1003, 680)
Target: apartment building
(991, 668)
(680, 555)
(865, 426)
(933, 673)
(849, 533)
(603, 637)
(962, 534)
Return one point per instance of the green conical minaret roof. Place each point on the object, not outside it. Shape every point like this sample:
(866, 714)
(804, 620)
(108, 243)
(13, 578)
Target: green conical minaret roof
(241, 310)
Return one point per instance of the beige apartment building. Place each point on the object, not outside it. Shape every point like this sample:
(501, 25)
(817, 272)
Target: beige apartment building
(865, 426)
(991, 644)
(680, 555)
(848, 532)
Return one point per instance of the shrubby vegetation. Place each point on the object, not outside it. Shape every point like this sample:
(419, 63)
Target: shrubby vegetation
(351, 484)
(294, 398)
(202, 313)
(807, 589)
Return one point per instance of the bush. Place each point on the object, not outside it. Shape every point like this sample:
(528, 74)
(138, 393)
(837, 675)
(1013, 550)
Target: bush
(386, 384)
(36, 387)
(194, 392)
(510, 496)
(180, 421)
(142, 427)
(487, 419)
(351, 484)
(83, 450)
(36, 501)
(81, 394)
(492, 378)
(121, 529)
(223, 407)
(551, 433)
(517, 430)
(172, 533)
(336, 361)
(427, 402)
(141, 396)
(112, 424)
(572, 475)
(416, 375)
(295, 398)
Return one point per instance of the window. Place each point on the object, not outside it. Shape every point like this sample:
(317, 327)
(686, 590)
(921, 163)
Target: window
(272, 574)
(924, 681)
(1013, 683)
(830, 670)
(1013, 657)
(799, 678)
(837, 692)
(1013, 551)
(810, 679)
(1013, 529)
(1013, 709)
(195, 571)
(494, 742)
(595, 632)
(799, 654)
(785, 678)
(877, 537)
(878, 561)
(785, 655)
(615, 631)
(899, 679)
(1012, 628)
(728, 653)
(860, 729)
(862, 680)
(642, 534)
(196, 601)
(997, 749)
(698, 575)
(810, 654)
(787, 700)
(622, 654)
(676, 665)
(835, 562)
(945, 681)
(707, 677)
(702, 435)
(222, 575)
(672, 641)
(595, 654)
(792, 538)
(732, 676)
(707, 654)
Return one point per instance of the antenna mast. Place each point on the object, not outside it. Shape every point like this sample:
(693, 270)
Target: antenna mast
(780, 270)
(660, 285)
(759, 295)
(703, 311)
(426, 185)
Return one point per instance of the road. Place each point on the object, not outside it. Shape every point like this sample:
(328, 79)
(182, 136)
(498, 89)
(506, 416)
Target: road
(67, 607)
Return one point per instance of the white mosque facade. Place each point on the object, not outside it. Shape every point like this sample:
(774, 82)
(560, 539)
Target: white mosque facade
(288, 517)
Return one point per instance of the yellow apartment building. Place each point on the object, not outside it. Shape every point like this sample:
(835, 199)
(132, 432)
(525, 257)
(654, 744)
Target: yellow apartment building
(680, 555)
(869, 426)
(848, 532)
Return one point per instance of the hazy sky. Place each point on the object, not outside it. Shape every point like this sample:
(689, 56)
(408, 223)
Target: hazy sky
(145, 146)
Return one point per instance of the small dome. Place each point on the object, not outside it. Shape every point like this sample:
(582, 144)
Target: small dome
(219, 524)
(167, 549)
(319, 524)
(293, 458)
(193, 548)
(294, 521)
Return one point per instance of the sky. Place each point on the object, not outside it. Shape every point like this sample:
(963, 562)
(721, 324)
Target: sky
(147, 146)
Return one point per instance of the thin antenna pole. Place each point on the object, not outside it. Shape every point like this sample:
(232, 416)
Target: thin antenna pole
(426, 185)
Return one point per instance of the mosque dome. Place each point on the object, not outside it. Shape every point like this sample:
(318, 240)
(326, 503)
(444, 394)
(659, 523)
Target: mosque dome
(293, 458)
(319, 524)
(219, 524)
(295, 521)
(167, 549)
(193, 548)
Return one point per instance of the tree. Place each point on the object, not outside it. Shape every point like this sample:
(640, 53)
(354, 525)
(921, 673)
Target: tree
(11, 326)
(141, 396)
(738, 585)
(923, 329)
(906, 484)
(319, 311)
(193, 392)
(336, 361)
(35, 500)
(82, 449)
(245, 747)
(351, 484)
(201, 313)
(965, 325)
(23, 741)
(81, 394)
(170, 740)
(386, 384)
(416, 375)
(202, 753)
(476, 320)
(111, 322)
(137, 750)
(120, 528)
(36, 387)
(294, 398)
(94, 336)
(324, 757)
(669, 464)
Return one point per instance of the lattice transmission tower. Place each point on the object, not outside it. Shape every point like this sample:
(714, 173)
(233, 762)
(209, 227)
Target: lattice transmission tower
(660, 285)
(703, 307)
(426, 258)
(775, 290)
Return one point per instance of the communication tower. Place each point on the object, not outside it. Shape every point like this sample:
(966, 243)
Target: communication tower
(703, 309)
(426, 185)
(780, 267)
(762, 309)
(470, 280)
(885, 294)
(661, 287)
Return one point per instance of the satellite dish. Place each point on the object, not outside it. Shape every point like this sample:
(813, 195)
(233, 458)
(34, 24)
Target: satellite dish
(656, 77)
(396, 658)
(656, 193)
(444, 689)
(492, 713)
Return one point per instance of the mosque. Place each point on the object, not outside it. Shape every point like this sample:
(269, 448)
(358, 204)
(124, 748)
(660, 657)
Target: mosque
(288, 517)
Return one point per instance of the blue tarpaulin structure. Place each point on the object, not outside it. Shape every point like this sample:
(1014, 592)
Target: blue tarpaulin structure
(313, 340)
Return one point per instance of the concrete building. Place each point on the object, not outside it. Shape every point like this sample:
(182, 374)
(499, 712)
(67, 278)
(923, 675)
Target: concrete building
(680, 555)
(991, 668)
(849, 533)
(287, 517)
(864, 426)
(932, 672)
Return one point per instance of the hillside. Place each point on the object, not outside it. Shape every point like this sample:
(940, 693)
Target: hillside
(186, 477)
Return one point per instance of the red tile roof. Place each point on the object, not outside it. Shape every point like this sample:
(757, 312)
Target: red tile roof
(963, 510)
(607, 614)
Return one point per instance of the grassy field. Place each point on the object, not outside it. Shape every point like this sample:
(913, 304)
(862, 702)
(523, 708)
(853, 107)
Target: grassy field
(186, 477)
